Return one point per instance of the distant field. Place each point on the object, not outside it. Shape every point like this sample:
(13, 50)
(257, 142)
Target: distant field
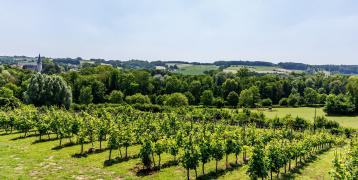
(189, 69)
(308, 113)
(259, 69)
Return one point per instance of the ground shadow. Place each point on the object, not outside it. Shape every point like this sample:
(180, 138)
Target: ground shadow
(88, 152)
(220, 172)
(68, 144)
(118, 160)
(9, 133)
(23, 137)
(44, 140)
(148, 171)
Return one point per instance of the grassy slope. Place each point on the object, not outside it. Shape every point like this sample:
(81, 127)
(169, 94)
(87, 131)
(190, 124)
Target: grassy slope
(195, 69)
(262, 69)
(308, 113)
(254, 68)
(21, 159)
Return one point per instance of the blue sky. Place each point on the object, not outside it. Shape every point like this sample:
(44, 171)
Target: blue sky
(308, 31)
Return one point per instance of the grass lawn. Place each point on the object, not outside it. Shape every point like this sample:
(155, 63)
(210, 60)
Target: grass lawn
(24, 159)
(195, 69)
(308, 113)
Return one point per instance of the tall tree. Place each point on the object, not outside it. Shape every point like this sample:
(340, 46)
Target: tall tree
(48, 90)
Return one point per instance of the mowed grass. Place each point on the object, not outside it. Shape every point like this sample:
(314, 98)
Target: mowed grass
(24, 159)
(195, 69)
(308, 113)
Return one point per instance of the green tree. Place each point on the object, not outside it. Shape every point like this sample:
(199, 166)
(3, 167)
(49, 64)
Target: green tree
(258, 162)
(207, 98)
(86, 96)
(205, 152)
(177, 99)
(229, 85)
(311, 96)
(159, 148)
(48, 90)
(294, 98)
(266, 102)
(249, 97)
(138, 98)
(352, 88)
(195, 90)
(339, 104)
(116, 96)
(6, 92)
(217, 152)
(98, 91)
(190, 97)
(233, 99)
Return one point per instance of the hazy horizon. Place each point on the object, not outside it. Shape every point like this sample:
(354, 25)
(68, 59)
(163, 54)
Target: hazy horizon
(311, 32)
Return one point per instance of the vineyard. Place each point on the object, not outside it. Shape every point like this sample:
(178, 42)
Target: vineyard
(189, 138)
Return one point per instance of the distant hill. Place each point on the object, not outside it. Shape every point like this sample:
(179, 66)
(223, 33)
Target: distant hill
(144, 64)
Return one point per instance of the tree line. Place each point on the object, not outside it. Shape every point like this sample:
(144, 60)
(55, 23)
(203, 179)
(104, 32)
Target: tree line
(106, 84)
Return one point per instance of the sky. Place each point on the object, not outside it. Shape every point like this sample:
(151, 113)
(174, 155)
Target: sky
(306, 31)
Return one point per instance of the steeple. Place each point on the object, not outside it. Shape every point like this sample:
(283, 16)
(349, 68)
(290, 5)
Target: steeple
(39, 64)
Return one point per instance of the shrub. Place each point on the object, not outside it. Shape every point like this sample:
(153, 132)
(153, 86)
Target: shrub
(219, 102)
(138, 98)
(339, 104)
(177, 99)
(283, 102)
(207, 98)
(233, 98)
(266, 102)
(116, 97)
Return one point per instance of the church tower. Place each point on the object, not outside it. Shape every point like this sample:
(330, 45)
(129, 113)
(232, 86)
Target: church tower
(39, 64)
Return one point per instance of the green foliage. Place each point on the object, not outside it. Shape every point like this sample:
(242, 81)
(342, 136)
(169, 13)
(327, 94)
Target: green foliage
(352, 88)
(258, 163)
(311, 96)
(195, 90)
(346, 165)
(48, 90)
(229, 85)
(138, 98)
(233, 99)
(283, 102)
(218, 102)
(177, 99)
(294, 98)
(146, 152)
(249, 97)
(116, 97)
(207, 98)
(339, 104)
(86, 96)
(266, 102)
(190, 97)
(6, 92)
(98, 92)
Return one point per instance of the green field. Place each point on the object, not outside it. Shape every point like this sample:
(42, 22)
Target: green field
(24, 159)
(189, 69)
(259, 69)
(308, 113)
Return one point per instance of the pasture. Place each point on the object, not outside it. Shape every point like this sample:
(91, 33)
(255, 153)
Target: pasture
(308, 113)
(260, 69)
(189, 69)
